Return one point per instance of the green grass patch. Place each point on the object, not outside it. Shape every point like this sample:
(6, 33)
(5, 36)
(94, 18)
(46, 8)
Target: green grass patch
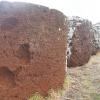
(36, 96)
(95, 96)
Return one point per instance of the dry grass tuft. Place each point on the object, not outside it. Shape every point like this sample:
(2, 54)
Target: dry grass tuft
(36, 96)
(94, 59)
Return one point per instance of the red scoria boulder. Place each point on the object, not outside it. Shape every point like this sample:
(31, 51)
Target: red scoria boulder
(32, 50)
(80, 42)
(96, 28)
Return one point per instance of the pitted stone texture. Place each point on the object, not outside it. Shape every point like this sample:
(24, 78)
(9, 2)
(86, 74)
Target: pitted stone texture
(32, 50)
(97, 35)
(82, 46)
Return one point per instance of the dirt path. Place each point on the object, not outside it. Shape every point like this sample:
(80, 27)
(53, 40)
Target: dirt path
(85, 81)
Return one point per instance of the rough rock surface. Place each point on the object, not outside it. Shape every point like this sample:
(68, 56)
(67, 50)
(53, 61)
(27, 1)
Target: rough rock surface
(32, 50)
(96, 28)
(80, 41)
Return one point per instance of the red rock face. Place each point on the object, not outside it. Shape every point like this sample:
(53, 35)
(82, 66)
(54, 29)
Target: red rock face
(82, 44)
(32, 50)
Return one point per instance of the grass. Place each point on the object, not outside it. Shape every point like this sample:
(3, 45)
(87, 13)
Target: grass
(95, 96)
(36, 96)
(94, 59)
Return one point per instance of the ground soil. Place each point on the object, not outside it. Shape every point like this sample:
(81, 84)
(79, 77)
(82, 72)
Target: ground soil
(84, 81)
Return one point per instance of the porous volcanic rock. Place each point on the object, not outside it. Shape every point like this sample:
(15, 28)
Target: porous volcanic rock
(96, 28)
(80, 41)
(32, 50)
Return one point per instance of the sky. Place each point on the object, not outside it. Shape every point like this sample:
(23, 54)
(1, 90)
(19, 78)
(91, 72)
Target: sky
(88, 9)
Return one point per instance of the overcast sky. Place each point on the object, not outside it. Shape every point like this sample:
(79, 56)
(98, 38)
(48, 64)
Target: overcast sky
(88, 9)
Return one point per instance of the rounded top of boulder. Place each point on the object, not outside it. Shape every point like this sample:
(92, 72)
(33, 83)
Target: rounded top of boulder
(7, 7)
